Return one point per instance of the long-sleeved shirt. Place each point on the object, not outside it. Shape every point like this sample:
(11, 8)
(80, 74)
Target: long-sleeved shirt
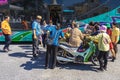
(103, 41)
(76, 37)
(6, 29)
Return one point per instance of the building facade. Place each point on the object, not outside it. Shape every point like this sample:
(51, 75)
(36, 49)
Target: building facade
(28, 9)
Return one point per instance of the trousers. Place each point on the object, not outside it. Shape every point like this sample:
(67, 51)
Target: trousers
(51, 56)
(7, 41)
(102, 57)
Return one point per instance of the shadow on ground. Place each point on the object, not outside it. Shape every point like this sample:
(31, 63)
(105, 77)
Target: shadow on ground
(39, 63)
(20, 55)
(34, 63)
(29, 49)
(3, 51)
(71, 66)
(26, 47)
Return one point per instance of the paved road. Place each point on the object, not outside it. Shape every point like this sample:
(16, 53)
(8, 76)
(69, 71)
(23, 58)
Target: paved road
(18, 64)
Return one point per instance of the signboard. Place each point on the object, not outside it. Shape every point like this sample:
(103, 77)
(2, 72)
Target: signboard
(2, 2)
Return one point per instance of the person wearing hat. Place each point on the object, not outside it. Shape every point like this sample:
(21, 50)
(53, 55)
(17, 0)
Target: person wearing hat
(103, 47)
(76, 36)
(37, 32)
(109, 31)
(52, 45)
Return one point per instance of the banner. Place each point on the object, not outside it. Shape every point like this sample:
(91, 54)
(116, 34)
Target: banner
(2, 2)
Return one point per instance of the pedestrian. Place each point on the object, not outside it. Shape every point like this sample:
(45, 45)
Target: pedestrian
(52, 45)
(6, 29)
(103, 46)
(25, 24)
(109, 32)
(115, 38)
(37, 32)
(89, 28)
(76, 36)
(44, 35)
(96, 32)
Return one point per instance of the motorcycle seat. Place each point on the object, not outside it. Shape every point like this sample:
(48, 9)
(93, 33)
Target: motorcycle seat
(68, 48)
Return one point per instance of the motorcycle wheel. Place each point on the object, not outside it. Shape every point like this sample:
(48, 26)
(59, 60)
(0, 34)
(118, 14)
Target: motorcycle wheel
(94, 60)
(61, 53)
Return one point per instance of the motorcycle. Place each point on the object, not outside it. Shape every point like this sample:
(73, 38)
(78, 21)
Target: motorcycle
(81, 54)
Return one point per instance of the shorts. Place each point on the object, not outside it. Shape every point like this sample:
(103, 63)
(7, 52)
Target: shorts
(111, 45)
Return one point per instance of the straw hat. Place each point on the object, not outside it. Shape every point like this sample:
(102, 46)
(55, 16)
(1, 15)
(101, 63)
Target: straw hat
(39, 17)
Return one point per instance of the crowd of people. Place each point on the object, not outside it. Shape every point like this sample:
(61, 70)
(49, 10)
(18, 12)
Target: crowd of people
(104, 36)
(107, 37)
(48, 35)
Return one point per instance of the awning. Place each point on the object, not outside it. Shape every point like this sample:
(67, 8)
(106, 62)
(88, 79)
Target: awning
(12, 7)
(15, 7)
